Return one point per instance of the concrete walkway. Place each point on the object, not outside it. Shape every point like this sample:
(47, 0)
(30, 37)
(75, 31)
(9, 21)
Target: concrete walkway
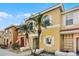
(4, 52)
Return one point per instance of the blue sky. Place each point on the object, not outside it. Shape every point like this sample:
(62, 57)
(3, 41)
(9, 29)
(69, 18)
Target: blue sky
(16, 13)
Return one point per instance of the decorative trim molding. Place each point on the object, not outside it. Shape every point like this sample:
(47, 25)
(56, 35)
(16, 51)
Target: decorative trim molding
(70, 10)
(67, 32)
(52, 42)
(53, 26)
(33, 34)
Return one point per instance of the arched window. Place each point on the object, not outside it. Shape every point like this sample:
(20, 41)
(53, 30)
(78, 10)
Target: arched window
(47, 20)
(30, 25)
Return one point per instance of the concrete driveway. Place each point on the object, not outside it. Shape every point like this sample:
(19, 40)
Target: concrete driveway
(5, 52)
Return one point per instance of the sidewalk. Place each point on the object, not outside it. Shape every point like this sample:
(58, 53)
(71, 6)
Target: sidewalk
(19, 53)
(7, 52)
(57, 53)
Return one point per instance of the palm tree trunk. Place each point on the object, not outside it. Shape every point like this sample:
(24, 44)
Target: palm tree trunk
(29, 44)
(39, 32)
(28, 41)
(4, 41)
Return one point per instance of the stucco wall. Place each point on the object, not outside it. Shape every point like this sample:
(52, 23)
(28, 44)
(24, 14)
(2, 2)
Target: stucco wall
(54, 31)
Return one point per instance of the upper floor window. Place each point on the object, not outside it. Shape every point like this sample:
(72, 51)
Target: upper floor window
(7, 33)
(30, 26)
(69, 19)
(47, 20)
(20, 31)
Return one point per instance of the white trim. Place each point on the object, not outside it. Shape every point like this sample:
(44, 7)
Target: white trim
(52, 26)
(67, 32)
(52, 42)
(59, 5)
(33, 34)
(21, 33)
(56, 6)
(29, 21)
(67, 11)
(58, 25)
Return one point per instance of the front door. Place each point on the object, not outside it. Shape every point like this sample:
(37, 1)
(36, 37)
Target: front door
(22, 41)
(36, 43)
(77, 45)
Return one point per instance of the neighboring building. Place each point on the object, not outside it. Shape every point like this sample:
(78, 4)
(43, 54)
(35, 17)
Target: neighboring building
(10, 35)
(21, 39)
(1, 37)
(32, 36)
(70, 30)
(62, 32)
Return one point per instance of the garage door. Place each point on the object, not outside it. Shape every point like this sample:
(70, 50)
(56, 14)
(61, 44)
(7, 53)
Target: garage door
(68, 43)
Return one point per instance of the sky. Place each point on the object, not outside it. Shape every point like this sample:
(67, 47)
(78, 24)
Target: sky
(15, 13)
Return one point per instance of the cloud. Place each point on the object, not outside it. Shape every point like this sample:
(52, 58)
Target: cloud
(8, 16)
(1, 19)
(5, 15)
(23, 15)
(27, 14)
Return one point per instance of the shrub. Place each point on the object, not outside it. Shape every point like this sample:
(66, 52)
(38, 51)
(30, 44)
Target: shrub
(15, 46)
(4, 46)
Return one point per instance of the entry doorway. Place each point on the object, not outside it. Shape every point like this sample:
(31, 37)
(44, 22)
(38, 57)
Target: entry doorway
(35, 43)
(22, 41)
(77, 45)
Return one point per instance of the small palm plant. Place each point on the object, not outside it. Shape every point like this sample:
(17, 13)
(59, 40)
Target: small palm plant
(39, 23)
(25, 28)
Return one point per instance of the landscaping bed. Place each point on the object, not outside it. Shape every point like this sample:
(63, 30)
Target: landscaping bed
(3, 46)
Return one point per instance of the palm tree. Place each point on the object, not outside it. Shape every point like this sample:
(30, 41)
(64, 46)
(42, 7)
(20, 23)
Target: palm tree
(24, 28)
(39, 23)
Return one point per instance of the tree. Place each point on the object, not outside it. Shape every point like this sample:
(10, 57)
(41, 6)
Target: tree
(39, 23)
(24, 28)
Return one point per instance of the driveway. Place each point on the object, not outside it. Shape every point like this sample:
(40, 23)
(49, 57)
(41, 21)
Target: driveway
(4, 52)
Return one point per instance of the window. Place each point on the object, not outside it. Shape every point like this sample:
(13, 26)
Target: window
(69, 22)
(48, 40)
(46, 20)
(20, 31)
(69, 19)
(30, 26)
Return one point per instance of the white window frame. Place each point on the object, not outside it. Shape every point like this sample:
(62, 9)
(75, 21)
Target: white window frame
(68, 18)
(52, 41)
(50, 19)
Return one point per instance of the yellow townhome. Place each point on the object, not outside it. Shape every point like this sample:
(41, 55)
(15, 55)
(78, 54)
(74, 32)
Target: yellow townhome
(50, 36)
(61, 32)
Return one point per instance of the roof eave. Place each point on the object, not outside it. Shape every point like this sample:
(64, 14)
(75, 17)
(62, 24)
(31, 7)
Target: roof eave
(70, 10)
